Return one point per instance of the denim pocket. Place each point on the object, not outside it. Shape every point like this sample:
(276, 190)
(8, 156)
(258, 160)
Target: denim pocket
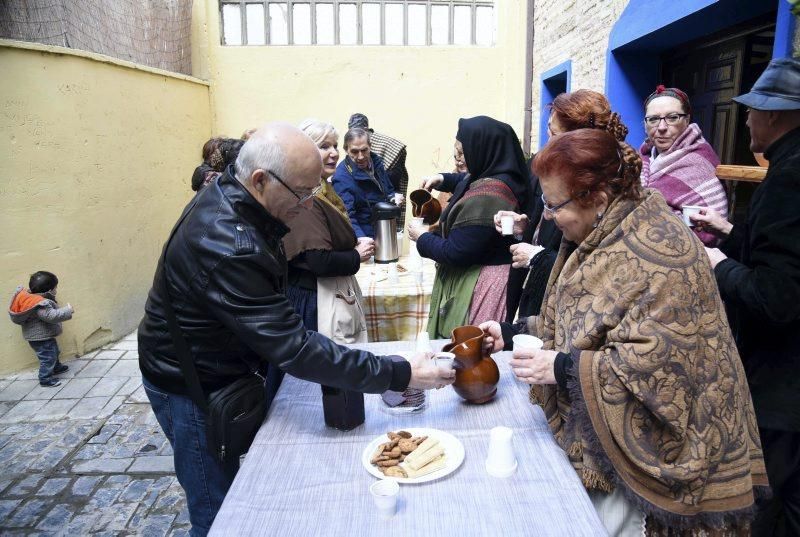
(161, 408)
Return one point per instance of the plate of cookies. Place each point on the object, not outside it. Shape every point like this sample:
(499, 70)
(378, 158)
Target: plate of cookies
(415, 455)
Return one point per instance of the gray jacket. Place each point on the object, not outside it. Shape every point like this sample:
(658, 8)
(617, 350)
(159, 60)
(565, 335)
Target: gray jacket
(38, 314)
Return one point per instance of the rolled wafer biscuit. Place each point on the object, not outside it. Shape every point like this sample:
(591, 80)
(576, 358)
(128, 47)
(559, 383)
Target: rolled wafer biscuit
(426, 457)
(424, 447)
(436, 464)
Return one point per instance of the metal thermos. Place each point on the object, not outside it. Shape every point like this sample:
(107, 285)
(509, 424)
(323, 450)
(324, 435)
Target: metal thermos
(384, 223)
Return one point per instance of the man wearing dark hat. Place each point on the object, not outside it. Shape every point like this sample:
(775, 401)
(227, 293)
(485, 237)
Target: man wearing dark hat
(758, 272)
(393, 154)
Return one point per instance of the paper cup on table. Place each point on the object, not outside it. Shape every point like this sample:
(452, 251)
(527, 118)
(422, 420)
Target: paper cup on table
(507, 224)
(444, 360)
(690, 210)
(501, 461)
(384, 494)
(525, 341)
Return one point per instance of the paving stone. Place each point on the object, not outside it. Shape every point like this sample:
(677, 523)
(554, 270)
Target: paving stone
(57, 519)
(139, 396)
(82, 524)
(155, 464)
(76, 388)
(4, 384)
(108, 355)
(125, 368)
(89, 407)
(113, 404)
(78, 433)
(5, 406)
(183, 516)
(50, 459)
(125, 345)
(18, 389)
(22, 411)
(102, 499)
(43, 393)
(130, 386)
(135, 491)
(30, 430)
(7, 506)
(130, 355)
(84, 485)
(115, 520)
(27, 514)
(97, 368)
(5, 482)
(26, 485)
(179, 532)
(156, 525)
(53, 486)
(54, 409)
(105, 466)
(117, 481)
(102, 436)
(107, 386)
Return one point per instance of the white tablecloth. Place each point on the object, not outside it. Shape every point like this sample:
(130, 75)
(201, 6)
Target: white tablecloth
(301, 478)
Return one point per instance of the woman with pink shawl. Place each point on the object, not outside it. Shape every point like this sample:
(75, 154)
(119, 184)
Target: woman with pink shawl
(676, 159)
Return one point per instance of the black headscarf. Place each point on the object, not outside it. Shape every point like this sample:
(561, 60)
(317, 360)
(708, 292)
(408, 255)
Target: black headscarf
(491, 149)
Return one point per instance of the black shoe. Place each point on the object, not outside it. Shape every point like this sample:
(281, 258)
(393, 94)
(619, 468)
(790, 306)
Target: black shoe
(60, 368)
(50, 383)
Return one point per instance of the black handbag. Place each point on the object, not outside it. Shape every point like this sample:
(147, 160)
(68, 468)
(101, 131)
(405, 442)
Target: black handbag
(235, 412)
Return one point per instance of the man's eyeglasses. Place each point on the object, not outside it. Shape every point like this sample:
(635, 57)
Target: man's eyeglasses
(671, 119)
(553, 209)
(301, 200)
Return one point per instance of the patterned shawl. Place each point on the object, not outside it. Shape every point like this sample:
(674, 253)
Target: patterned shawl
(686, 174)
(657, 403)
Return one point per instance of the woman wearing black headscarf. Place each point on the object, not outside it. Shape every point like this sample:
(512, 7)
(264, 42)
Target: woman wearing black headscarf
(473, 261)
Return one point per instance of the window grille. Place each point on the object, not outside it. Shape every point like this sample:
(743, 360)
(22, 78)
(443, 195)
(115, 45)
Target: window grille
(358, 22)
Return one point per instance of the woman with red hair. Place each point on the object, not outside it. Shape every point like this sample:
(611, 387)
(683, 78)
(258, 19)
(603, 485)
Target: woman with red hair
(639, 377)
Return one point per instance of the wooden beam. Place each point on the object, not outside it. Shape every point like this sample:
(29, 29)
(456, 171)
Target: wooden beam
(753, 174)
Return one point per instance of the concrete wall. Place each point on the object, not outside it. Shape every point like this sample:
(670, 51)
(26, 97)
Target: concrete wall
(416, 94)
(97, 156)
(576, 30)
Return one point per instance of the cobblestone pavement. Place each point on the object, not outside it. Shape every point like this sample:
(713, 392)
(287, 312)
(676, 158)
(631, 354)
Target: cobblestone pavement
(86, 457)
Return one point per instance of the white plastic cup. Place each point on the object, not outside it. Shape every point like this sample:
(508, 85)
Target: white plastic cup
(444, 360)
(418, 220)
(690, 210)
(384, 494)
(500, 460)
(507, 224)
(526, 341)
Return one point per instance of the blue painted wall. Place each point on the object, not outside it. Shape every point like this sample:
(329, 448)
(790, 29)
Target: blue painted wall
(553, 82)
(639, 37)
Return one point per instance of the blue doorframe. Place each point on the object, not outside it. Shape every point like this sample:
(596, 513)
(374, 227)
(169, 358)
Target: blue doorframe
(639, 37)
(553, 82)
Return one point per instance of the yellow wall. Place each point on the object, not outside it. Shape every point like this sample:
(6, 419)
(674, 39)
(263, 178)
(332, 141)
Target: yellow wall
(415, 94)
(97, 157)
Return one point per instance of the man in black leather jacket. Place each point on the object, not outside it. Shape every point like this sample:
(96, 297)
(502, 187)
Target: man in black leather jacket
(226, 274)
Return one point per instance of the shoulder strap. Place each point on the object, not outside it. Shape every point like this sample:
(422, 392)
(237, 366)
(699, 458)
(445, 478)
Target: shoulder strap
(181, 347)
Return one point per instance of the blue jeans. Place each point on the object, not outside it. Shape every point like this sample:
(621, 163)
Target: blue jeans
(47, 353)
(204, 479)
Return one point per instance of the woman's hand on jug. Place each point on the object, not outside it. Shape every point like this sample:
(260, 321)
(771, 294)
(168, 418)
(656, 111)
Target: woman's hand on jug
(493, 341)
(429, 182)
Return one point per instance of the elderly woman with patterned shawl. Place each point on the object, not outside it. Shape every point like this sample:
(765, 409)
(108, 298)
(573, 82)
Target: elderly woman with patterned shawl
(639, 377)
(676, 159)
(473, 263)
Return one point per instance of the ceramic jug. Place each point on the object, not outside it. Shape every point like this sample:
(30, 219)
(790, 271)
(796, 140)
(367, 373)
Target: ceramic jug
(476, 373)
(426, 206)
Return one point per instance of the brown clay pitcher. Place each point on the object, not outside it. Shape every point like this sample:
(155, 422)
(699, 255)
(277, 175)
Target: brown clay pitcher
(476, 374)
(425, 205)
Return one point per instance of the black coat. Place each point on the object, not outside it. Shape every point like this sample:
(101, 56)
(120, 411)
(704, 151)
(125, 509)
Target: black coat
(226, 273)
(760, 284)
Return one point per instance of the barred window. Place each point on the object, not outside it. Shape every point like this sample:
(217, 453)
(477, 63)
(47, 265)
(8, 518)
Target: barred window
(358, 22)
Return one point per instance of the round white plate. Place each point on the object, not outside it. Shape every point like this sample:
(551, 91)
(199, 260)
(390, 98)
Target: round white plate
(453, 450)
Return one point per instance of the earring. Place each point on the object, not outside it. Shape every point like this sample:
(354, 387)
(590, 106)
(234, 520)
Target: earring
(597, 222)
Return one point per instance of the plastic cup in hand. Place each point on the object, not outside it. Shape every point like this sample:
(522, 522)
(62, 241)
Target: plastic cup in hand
(690, 210)
(501, 461)
(507, 224)
(525, 341)
(444, 360)
(418, 220)
(384, 494)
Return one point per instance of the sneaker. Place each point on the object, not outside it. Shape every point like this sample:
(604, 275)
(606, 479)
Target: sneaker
(60, 368)
(50, 383)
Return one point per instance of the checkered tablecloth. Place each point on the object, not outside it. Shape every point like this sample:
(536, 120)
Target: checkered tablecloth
(396, 311)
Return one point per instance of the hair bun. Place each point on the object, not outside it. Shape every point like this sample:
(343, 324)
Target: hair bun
(616, 127)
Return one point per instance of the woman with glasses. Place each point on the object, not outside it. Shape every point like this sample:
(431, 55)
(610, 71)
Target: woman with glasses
(473, 263)
(676, 159)
(639, 376)
(361, 181)
(323, 252)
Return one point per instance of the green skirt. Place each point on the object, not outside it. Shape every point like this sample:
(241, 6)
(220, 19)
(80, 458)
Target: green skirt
(451, 299)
